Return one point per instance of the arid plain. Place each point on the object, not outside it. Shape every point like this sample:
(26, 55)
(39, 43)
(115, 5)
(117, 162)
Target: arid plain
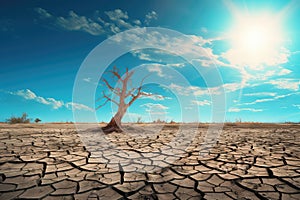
(246, 161)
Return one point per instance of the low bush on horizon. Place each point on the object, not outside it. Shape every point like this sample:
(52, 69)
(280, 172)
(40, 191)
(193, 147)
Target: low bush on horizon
(37, 120)
(16, 120)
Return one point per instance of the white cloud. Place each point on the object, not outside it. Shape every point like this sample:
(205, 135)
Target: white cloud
(116, 14)
(55, 104)
(87, 79)
(156, 97)
(261, 94)
(157, 68)
(297, 105)
(29, 95)
(270, 73)
(145, 56)
(188, 90)
(187, 46)
(43, 13)
(137, 22)
(76, 22)
(156, 110)
(198, 91)
(270, 99)
(202, 103)
(159, 56)
(244, 109)
(175, 64)
(259, 101)
(154, 106)
(238, 57)
(150, 16)
(117, 21)
(231, 87)
(284, 72)
(288, 84)
(78, 106)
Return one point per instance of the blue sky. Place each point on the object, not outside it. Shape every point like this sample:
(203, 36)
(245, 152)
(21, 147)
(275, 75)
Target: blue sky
(254, 45)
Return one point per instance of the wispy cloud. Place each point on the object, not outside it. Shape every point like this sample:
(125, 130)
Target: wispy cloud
(75, 22)
(78, 106)
(44, 14)
(297, 105)
(244, 109)
(261, 94)
(161, 70)
(268, 73)
(156, 97)
(150, 16)
(237, 57)
(116, 21)
(199, 91)
(119, 20)
(284, 71)
(202, 103)
(142, 55)
(270, 99)
(55, 104)
(150, 107)
(156, 68)
(29, 95)
(190, 47)
(288, 84)
(159, 56)
(88, 79)
(259, 101)
(116, 15)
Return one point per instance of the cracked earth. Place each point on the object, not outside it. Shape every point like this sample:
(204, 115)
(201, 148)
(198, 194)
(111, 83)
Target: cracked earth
(247, 161)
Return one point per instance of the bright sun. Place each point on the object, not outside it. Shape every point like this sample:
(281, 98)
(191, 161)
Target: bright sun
(255, 40)
(256, 34)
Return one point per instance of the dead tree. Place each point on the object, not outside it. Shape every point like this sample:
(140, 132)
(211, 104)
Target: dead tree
(124, 95)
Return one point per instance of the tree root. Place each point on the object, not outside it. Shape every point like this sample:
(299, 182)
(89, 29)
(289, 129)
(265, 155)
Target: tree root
(110, 129)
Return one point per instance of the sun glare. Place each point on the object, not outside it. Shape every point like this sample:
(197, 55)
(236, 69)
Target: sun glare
(256, 40)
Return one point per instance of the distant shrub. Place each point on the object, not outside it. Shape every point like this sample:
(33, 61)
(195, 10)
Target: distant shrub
(139, 120)
(159, 121)
(16, 120)
(37, 120)
(172, 122)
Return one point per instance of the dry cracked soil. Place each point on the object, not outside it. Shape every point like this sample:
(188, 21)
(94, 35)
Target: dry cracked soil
(54, 161)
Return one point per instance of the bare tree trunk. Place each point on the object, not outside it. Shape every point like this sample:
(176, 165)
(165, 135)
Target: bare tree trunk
(115, 123)
(122, 93)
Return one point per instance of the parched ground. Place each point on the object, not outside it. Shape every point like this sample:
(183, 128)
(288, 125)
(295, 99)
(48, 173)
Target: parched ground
(247, 161)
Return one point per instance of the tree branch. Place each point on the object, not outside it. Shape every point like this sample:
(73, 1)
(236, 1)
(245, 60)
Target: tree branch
(107, 100)
(114, 90)
(115, 72)
(129, 93)
(110, 99)
(139, 93)
(102, 105)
